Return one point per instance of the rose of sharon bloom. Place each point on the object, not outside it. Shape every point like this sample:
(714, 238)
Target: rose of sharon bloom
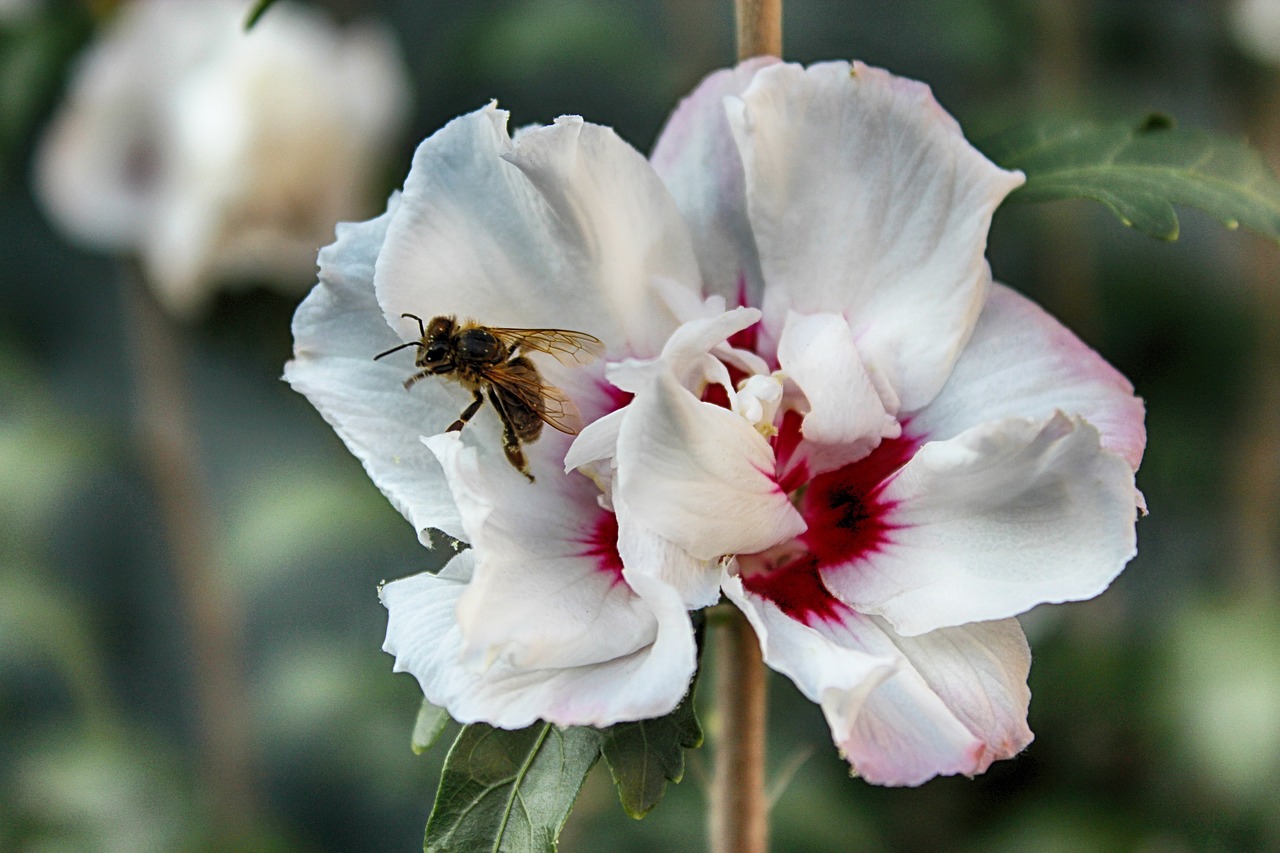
(215, 154)
(814, 402)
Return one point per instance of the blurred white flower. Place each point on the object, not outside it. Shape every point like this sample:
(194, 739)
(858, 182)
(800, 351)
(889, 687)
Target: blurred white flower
(1255, 25)
(215, 154)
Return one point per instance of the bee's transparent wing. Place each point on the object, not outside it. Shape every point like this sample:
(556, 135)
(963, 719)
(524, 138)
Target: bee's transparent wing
(548, 402)
(566, 347)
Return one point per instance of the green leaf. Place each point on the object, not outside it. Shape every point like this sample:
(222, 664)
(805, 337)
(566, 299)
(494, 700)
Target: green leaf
(510, 791)
(1141, 170)
(431, 723)
(642, 756)
(259, 9)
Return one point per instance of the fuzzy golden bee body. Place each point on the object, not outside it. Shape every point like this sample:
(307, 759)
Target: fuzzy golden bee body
(491, 363)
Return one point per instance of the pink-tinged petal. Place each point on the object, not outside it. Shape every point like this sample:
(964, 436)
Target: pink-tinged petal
(425, 638)
(547, 591)
(846, 418)
(697, 158)
(699, 475)
(1005, 516)
(980, 672)
(856, 682)
(564, 229)
(865, 199)
(839, 679)
(1022, 363)
(337, 331)
(902, 710)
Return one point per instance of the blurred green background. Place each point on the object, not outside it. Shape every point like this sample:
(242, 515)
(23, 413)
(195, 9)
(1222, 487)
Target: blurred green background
(1156, 706)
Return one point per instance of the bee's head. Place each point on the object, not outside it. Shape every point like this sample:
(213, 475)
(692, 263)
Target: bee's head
(435, 350)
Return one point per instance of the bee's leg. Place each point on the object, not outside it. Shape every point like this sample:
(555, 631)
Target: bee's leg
(417, 377)
(468, 413)
(510, 441)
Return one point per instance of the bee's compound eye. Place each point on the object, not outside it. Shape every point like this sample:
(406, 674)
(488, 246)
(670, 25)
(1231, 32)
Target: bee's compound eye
(436, 352)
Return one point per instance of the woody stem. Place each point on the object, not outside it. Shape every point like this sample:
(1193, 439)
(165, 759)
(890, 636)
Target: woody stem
(739, 819)
(759, 27)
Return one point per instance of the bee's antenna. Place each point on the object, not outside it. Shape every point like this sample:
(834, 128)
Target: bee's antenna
(397, 349)
(421, 328)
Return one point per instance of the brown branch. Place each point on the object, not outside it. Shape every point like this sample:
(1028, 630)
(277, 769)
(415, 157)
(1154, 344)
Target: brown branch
(759, 27)
(739, 820)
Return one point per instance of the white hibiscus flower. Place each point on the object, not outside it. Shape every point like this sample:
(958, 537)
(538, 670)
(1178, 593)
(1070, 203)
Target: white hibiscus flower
(218, 155)
(814, 400)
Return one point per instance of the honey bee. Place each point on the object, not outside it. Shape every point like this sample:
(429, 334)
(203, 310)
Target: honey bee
(488, 360)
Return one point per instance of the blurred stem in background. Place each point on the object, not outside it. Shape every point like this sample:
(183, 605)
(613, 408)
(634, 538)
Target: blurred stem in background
(739, 818)
(685, 27)
(1256, 478)
(1065, 262)
(168, 446)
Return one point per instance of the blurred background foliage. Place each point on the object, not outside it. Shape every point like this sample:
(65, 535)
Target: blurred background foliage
(1156, 706)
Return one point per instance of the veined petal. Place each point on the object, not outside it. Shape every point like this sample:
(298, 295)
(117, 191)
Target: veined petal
(903, 710)
(1005, 516)
(564, 229)
(846, 417)
(697, 158)
(1022, 363)
(699, 475)
(547, 589)
(865, 199)
(337, 331)
(425, 638)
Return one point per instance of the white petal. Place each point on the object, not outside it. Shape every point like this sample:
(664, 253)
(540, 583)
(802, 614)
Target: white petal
(219, 156)
(645, 552)
(865, 199)
(903, 710)
(425, 638)
(104, 155)
(846, 417)
(1023, 363)
(685, 353)
(699, 475)
(696, 338)
(987, 525)
(758, 399)
(597, 442)
(337, 331)
(565, 229)
(698, 160)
